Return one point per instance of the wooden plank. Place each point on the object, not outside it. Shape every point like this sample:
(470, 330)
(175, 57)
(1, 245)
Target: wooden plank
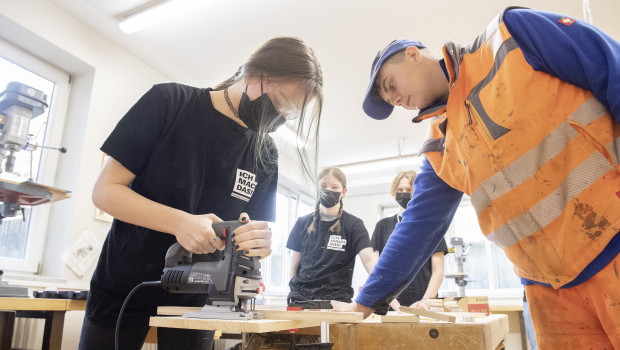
(431, 314)
(504, 305)
(495, 331)
(175, 310)
(250, 326)
(330, 316)
(394, 317)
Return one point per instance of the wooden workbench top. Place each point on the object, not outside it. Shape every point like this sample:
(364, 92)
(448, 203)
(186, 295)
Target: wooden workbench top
(41, 304)
(245, 326)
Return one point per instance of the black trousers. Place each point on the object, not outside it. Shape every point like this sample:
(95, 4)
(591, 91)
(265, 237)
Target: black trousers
(94, 337)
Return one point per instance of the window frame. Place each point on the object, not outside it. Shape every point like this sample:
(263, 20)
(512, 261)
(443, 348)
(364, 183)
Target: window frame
(296, 197)
(57, 109)
(493, 290)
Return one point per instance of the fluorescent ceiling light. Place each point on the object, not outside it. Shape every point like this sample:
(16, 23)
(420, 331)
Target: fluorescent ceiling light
(155, 12)
(406, 162)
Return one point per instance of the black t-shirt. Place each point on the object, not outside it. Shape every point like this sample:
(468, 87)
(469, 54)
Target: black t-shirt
(327, 258)
(186, 155)
(416, 289)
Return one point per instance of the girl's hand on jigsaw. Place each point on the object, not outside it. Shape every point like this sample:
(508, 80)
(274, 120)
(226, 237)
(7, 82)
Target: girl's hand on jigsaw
(254, 238)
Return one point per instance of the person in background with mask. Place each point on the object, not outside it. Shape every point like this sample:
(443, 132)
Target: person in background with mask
(426, 283)
(181, 159)
(325, 243)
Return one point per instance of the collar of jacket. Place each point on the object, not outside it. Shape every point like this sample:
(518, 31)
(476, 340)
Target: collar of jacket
(436, 109)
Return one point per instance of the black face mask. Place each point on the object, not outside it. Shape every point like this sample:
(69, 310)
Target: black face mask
(260, 114)
(402, 198)
(329, 198)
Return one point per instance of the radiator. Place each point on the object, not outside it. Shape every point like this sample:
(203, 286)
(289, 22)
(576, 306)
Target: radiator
(28, 333)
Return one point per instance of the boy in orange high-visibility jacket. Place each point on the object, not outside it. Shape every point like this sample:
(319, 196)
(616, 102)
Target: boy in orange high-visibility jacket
(525, 121)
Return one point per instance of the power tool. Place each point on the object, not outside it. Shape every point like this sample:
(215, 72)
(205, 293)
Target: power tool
(229, 277)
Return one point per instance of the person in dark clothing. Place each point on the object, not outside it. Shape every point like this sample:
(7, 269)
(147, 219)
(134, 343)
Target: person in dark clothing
(181, 159)
(325, 244)
(428, 280)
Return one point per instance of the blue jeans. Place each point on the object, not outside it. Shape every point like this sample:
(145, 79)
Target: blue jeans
(529, 327)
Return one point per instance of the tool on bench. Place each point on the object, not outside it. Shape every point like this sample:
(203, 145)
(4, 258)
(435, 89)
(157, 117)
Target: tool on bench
(229, 277)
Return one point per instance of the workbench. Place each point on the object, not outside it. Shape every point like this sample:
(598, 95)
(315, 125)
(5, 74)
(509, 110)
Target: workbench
(485, 333)
(52, 310)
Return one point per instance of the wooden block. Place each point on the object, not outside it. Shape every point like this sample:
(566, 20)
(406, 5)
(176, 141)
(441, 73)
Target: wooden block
(483, 334)
(431, 314)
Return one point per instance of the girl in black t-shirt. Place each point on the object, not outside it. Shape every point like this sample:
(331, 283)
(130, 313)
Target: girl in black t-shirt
(428, 280)
(179, 160)
(325, 244)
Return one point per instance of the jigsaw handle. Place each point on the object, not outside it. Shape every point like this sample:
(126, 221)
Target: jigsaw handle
(224, 228)
(177, 255)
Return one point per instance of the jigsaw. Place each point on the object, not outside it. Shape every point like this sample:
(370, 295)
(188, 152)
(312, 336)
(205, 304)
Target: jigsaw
(229, 277)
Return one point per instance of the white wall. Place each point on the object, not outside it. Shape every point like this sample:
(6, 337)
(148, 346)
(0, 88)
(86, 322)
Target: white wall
(368, 209)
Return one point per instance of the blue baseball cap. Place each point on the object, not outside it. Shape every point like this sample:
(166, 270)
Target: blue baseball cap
(374, 105)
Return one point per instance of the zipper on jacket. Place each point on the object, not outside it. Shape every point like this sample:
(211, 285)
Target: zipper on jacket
(480, 125)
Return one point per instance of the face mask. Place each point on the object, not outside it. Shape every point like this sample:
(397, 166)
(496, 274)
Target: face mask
(402, 198)
(259, 114)
(329, 198)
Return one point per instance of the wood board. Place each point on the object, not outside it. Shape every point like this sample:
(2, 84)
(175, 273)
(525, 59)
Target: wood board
(249, 326)
(327, 315)
(436, 315)
(399, 318)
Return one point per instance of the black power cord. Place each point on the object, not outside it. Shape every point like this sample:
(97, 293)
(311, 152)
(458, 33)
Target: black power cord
(120, 314)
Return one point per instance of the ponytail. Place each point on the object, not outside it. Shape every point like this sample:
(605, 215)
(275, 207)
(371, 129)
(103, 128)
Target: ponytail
(316, 216)
(336, 227)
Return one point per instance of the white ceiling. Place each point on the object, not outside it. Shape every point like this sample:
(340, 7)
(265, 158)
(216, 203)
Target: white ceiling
(205, 46)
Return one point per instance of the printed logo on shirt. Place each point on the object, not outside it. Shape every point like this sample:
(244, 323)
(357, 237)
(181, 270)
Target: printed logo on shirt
(244, 186)
(336, 242)
(566, 21)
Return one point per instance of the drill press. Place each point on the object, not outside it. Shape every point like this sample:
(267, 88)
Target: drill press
(19, 104)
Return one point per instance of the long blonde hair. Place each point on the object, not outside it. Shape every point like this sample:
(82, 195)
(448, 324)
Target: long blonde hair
(316, 216)
(290, 59)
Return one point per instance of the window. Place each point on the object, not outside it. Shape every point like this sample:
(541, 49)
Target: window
(21, 239)
(490, 272)
(290, 205)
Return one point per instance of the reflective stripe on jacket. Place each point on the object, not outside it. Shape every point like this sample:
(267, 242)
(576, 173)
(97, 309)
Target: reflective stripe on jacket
(539, 157)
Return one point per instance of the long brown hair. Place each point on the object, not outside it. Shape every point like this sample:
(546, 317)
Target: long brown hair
(288, 59)
(316, 216)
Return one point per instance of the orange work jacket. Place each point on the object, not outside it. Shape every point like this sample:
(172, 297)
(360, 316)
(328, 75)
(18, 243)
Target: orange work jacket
(537, 155)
